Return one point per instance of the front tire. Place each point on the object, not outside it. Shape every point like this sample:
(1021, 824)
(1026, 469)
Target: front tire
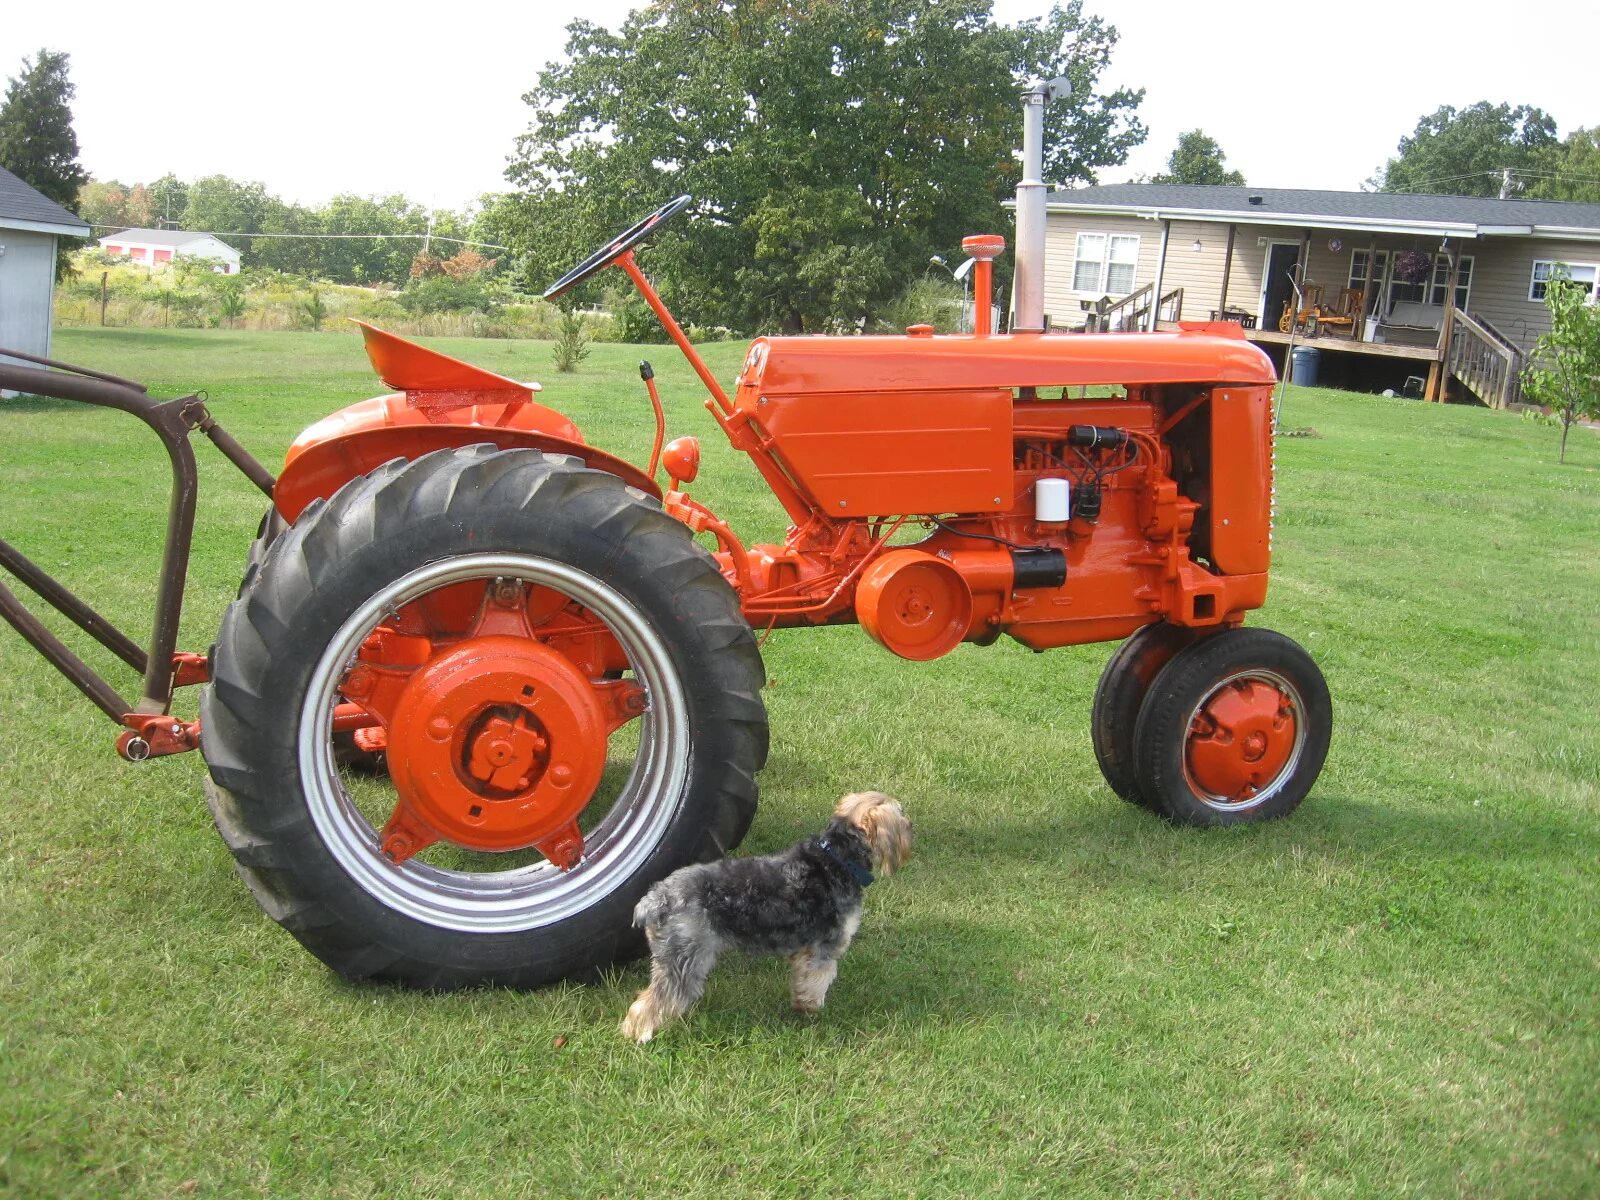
(1235, 729)
(1120, 694)
(413, 537)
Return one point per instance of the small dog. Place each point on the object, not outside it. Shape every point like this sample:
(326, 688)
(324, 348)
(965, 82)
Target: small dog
(804, 902)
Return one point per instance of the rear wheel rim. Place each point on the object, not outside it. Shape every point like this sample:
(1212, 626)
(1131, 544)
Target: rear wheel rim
(534, 895)
(1244, 740)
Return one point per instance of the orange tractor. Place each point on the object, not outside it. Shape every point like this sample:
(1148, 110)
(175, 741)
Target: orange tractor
(482, 686)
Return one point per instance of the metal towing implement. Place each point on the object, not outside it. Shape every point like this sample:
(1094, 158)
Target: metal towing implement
(482, 687)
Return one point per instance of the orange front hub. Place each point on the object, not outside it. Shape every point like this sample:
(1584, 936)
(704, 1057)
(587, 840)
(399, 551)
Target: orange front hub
(1241, 739)
(496, 744)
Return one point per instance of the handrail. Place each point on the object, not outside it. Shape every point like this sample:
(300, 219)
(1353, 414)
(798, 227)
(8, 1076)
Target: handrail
(1492, 330)
(1485, 360)
(1101, 316)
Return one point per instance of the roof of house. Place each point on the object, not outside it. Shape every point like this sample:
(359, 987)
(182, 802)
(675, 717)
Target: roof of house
(25, 207)
(160, 237)
(1397, 212)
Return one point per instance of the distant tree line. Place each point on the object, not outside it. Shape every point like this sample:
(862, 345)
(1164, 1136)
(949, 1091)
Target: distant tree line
(240, 212)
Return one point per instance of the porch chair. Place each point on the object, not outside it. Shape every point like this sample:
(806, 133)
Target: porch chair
(1346, 314)
(1310, 302)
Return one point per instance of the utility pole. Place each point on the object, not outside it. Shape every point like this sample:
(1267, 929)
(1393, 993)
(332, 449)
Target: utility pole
(1505, 183)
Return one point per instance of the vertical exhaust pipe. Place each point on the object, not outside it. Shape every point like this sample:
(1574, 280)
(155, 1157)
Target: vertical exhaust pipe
(1027, 312)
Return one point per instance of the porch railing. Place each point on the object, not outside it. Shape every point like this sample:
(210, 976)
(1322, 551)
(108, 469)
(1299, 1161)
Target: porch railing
(1487, 362)
(1132, 313)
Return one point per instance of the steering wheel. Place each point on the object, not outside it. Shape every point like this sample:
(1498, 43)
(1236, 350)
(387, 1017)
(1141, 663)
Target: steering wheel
(615, 248)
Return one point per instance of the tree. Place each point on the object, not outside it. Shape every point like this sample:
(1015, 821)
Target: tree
(1564, 369)
(169, 196)
(101, 202)
(1569, 170)
(1465, 153)
(37, 143)
(227, 208)
(111, 206)
(1198, 159)
(831, 145)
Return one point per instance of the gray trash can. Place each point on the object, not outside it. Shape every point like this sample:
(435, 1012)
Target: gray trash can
(1304, 368)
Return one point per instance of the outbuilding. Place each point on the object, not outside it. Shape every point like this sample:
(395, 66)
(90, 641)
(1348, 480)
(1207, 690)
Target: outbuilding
(30, 223)
(158, 247)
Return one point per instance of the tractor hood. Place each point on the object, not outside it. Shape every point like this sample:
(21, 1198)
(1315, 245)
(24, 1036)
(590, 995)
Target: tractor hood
(1197, 353)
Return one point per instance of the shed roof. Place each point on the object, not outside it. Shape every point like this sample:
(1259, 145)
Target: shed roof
(1468, 216)
(23, 206)
(161, 237)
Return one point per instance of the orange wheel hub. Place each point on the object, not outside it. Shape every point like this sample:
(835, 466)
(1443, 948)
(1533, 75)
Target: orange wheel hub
(1241, 739)
(496, 744)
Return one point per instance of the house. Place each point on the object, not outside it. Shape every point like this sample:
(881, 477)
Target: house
(30, 223)
(1139, 255)
(154, 247)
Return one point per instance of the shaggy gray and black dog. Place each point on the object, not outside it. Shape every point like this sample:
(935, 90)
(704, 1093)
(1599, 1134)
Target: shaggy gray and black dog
(804, 902)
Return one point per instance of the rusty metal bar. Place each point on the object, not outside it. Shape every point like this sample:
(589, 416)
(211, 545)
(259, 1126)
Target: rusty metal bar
(171, 421)
(236, 454)
(84, 371)
(53, 593)
(60, 657)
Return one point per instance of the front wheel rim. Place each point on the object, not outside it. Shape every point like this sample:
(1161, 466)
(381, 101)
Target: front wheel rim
(536, 895)
(1244, 739)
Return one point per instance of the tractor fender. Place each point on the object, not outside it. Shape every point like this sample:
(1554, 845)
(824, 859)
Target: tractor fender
(364, 436)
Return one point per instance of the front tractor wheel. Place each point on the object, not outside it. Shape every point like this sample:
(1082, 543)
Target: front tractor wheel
(563, 686)
(1234, 728)
(1120, 695)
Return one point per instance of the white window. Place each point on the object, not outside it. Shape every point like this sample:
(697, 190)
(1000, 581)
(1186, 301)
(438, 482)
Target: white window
(1432, 292)
(1358, 269)
(1441, 281)
(1584, 273)
(1105, 264)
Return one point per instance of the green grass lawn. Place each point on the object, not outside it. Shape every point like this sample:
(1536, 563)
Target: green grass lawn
(1396, 992)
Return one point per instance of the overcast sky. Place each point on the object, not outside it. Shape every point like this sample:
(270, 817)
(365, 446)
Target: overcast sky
(314, 99)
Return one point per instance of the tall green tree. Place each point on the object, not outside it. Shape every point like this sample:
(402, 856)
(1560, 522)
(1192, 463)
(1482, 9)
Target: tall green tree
(169, 196)
(1198, 159)
(1569, 170)
(37, 143)
(1564, 370)
(831, 145)
(227, 207)
(1463, 153)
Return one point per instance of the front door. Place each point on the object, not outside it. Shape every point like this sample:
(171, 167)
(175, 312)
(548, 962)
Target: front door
(1277, 285)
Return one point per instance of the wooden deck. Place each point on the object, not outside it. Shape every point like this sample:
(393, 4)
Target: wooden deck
(1347, 345)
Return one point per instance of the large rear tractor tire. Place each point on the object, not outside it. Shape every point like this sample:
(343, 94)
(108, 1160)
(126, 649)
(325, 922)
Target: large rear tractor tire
(1235, 728)
(1120, 694)
(567, 693)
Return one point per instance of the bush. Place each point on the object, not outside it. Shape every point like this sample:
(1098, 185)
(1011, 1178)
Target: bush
(926, 301)
(441, 293)
(572, 341)
(632, 319)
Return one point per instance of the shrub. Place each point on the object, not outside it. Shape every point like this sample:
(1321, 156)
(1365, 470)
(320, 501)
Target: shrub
(925, 301)
(572, 341)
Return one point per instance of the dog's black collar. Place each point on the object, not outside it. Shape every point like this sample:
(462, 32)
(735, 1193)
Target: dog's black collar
(860, 874)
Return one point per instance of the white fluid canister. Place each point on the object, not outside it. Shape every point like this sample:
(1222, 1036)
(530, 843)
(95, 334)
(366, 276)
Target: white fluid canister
(1052, 500)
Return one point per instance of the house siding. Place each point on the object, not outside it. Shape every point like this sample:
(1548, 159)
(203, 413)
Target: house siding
(1061, 303)
(27, 290)
(1502, 267)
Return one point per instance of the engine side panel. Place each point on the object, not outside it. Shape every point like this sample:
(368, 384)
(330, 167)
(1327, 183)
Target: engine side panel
(885, 453)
